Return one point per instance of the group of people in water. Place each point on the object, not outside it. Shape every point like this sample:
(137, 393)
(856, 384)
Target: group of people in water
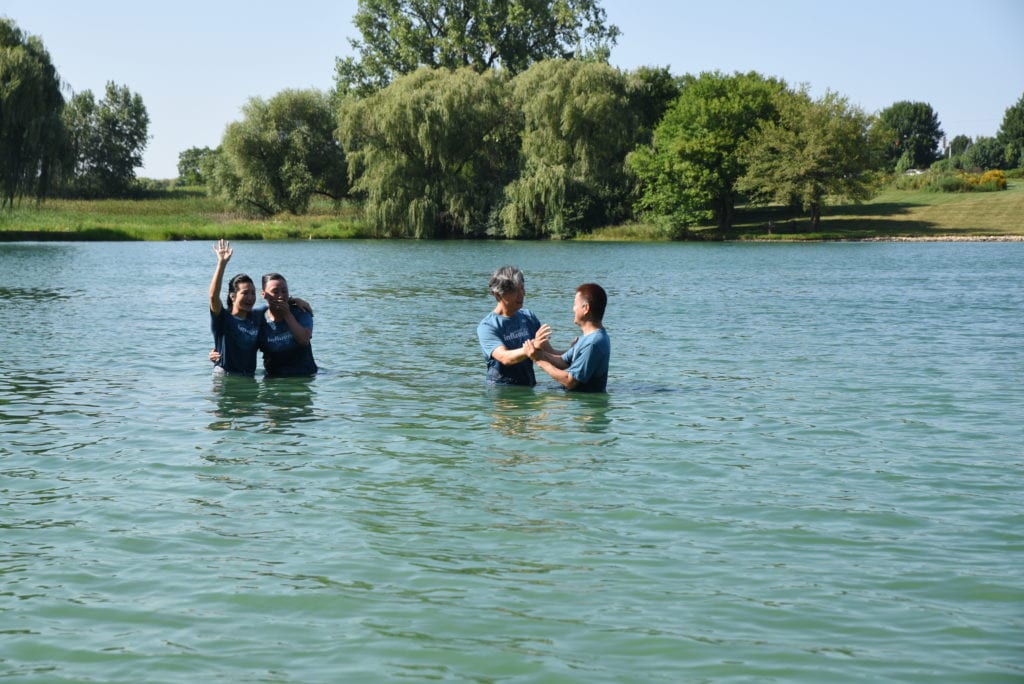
(512, 338)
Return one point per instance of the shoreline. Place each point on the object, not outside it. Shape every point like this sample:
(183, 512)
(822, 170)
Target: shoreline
(896, 238)
(54, 236)
(942, 238)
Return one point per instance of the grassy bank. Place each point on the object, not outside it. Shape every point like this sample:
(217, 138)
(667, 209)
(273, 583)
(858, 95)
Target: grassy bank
(190, 215)
(179, 215)
(891, 214)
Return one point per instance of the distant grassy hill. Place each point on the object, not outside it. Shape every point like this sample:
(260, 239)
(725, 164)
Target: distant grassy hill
(191, 215)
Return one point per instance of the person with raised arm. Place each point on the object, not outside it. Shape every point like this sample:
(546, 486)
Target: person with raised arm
(235, 327)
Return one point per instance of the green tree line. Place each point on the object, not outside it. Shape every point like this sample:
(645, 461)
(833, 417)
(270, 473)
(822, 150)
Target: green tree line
(485, 118)
(493, 118)
(81, 146)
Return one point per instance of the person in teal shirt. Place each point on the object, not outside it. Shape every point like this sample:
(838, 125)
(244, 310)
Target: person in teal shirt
(504, 330)
(584, 366)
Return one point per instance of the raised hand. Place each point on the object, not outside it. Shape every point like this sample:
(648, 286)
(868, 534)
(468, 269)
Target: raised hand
(542, 336)
(223, 251)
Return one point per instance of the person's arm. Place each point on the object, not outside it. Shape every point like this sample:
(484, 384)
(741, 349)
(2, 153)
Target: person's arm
(510, 357)
(302, 304)
(553, 365)
(223, 251)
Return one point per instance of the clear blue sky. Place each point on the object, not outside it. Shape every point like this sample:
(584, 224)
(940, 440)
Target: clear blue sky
(196, 63)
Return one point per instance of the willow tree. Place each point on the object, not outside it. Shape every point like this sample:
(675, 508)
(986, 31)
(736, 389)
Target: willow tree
(281, 154)
(816, 150)
(400, 36)
(31, 134)
(689, 171)
(430, 152)
(577, 128)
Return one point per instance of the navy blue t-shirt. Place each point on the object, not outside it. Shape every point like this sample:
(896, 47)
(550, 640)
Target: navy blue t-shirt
(282, 355)
(236, 339)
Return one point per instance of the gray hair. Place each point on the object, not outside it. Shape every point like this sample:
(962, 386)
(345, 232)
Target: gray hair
(505, 280)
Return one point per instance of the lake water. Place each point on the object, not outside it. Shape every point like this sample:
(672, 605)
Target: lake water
(809, 468)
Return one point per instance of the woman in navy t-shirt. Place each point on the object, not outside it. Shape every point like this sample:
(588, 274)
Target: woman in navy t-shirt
(286, 331)
(235, 327)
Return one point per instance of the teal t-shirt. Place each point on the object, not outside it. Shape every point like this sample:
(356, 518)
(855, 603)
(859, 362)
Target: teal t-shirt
(588, 361)
(511, 332)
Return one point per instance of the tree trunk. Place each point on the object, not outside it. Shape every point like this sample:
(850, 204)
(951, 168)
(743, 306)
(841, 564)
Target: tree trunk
(726, 215)
(815, 217)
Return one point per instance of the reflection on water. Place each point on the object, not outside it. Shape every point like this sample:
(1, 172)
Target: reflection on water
(548, 413)
(265, 404)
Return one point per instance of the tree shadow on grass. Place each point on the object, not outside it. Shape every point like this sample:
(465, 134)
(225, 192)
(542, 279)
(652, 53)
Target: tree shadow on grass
(880, 209)
(866, 228)
(844, 222)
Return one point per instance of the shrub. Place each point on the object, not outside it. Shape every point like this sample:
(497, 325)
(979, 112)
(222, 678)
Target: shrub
(990, 181)
(995, 177)
(944, 183)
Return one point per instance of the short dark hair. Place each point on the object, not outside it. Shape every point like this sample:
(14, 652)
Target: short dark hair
(595, 296)
(272, 276)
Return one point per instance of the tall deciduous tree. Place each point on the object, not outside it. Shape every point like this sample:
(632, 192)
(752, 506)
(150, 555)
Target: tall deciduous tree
(983, 154)
(1011, 134)
(399, 36)
(431, 152)
(916, 133)
(958, 144)
(689, 172)
(578, 127)
(815, 150)
(192, 164)
(281, 154)
(651, 90)
(31, 133)
(107, 139)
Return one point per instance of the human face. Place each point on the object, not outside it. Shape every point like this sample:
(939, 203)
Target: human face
(580, 309)
(512, 302)
(276, 290)
(245, 297)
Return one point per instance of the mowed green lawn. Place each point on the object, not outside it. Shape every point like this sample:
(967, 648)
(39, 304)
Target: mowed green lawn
(904, 213)
(191, 215)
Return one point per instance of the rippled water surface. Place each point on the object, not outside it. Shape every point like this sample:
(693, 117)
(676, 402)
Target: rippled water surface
(809, 468)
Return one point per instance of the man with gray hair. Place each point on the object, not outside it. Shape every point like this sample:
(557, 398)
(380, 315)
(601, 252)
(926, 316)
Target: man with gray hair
(504, 331)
